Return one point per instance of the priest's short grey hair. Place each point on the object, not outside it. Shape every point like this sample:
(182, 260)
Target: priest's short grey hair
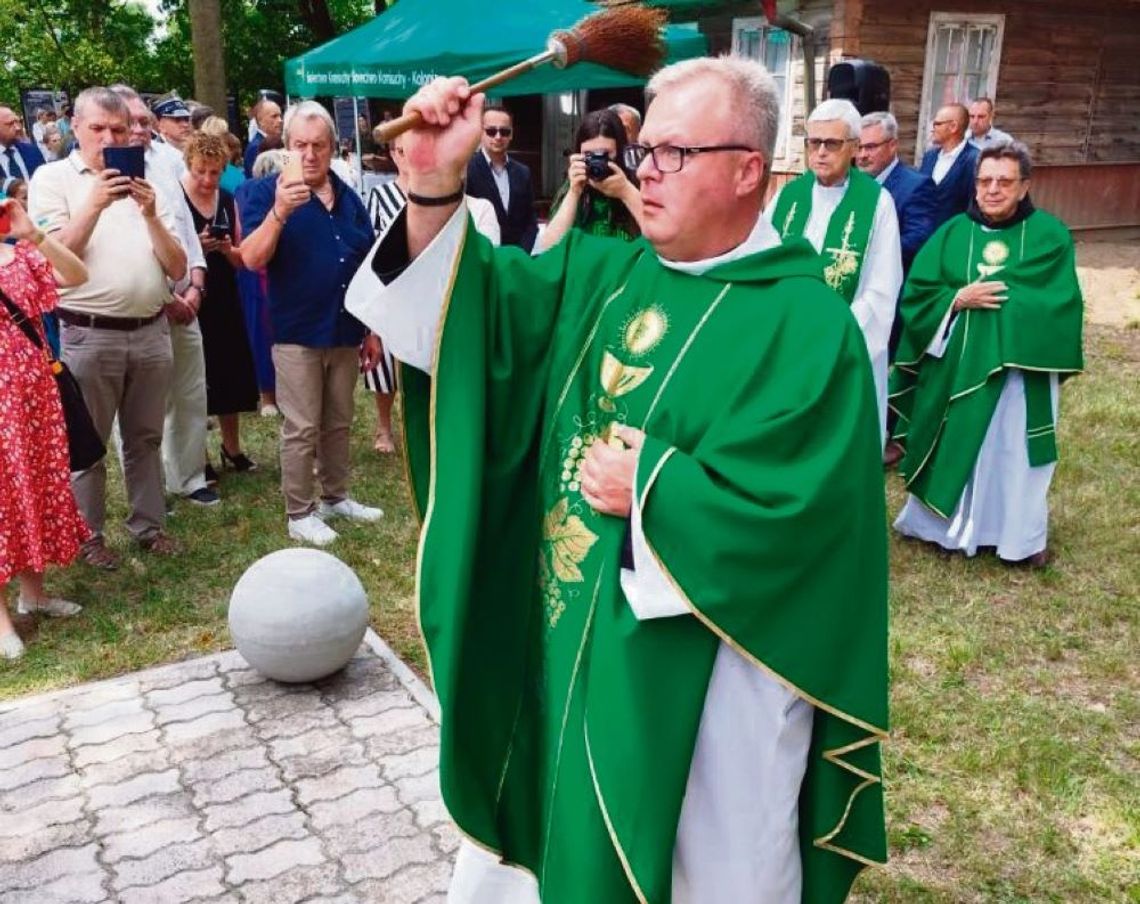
(755, 99)
(836, 110)
(886, 121)
(103, 98)
(306, 110)
(1008, 150)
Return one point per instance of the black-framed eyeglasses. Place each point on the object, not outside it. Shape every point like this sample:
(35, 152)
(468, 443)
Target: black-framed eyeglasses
(873, 145)
(833, 145)
(670, 158)
(502, 131)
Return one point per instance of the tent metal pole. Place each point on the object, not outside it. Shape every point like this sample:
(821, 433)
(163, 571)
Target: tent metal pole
(356, 134)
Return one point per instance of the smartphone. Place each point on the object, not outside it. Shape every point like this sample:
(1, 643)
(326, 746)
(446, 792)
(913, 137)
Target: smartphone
(217, 232)
(291, 169)
(129, 161)
(5, 217)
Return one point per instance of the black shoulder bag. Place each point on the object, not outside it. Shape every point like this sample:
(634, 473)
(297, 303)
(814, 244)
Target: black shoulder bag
(84, 444)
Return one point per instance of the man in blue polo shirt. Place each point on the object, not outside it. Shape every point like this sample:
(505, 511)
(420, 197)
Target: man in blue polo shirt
(310, 232)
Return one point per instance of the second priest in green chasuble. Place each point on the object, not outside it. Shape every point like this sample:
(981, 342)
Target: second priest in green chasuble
(992, 318)
(683, 700)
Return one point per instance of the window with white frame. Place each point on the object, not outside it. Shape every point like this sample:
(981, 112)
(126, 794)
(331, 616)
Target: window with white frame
(963, 52)
(754, 38)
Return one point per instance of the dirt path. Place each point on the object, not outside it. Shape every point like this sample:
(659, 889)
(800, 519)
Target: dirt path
(1110, 278)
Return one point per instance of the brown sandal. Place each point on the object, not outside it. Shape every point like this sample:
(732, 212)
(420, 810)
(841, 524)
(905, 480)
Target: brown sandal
(160, 544)
(97, 555)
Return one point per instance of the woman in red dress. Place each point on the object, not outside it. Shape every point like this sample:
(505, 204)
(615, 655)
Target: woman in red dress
(39, 521)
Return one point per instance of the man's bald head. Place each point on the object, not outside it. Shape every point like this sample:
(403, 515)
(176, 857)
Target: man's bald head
(10, 126)
(948, 129)
(268, 115)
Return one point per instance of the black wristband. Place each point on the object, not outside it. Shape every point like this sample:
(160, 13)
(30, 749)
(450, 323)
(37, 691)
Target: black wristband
(443, 201)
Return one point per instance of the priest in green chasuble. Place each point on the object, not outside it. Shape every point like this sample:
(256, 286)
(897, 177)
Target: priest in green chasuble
(992, 316)
(652, 570)
(851, 221)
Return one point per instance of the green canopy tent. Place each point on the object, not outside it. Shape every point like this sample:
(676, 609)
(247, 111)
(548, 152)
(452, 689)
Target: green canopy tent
(416, 40)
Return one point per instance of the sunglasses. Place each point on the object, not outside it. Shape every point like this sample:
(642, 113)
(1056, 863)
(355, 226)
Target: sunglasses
(501, 131)
(833, 145)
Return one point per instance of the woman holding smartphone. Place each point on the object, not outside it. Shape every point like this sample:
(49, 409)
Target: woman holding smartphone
(40, 523)
(231, 386)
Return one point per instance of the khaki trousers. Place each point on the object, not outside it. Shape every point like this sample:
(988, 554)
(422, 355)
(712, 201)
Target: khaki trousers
(125, 374)
(314, 393)
(184, 433)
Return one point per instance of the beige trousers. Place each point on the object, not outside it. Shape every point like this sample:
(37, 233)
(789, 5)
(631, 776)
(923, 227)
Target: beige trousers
(126, 374)
(314, 393)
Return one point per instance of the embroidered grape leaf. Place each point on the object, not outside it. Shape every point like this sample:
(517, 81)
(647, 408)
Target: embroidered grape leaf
(570, 541)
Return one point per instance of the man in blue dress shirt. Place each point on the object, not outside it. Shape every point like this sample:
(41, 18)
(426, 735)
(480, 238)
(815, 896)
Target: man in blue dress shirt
(310, 232)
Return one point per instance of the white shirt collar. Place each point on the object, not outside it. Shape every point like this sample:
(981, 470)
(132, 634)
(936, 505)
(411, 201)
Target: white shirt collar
(762, 237)
(886, 173)
(953, 153)
(491, 163)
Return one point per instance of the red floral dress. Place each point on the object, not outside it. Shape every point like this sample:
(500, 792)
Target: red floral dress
(39, 521)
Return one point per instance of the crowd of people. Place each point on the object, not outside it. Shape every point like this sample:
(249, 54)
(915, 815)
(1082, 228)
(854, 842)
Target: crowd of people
(666, 450)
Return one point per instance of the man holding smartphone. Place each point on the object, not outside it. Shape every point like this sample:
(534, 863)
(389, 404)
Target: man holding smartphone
(310, 232)
(114, 336)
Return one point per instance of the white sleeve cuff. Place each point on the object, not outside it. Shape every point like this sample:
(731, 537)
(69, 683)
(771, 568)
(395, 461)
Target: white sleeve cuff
(937, 347)
(646, 586)
(405, 313)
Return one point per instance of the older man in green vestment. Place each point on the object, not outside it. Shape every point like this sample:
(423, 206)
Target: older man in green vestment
(992, 316)
(652, 573)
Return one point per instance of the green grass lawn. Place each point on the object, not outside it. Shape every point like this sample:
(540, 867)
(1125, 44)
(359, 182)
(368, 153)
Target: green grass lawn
(1013, 770)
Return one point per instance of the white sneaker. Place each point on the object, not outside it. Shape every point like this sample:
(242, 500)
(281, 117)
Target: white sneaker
(311, 529)
(350, 509)
(270, 410)
(11, 647)
(54, 607)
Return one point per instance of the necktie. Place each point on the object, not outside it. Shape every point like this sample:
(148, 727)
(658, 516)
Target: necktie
(13, 169)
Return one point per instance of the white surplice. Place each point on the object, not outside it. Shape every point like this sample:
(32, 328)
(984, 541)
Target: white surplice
(738, 835)
(880, 280)
(1005, 501)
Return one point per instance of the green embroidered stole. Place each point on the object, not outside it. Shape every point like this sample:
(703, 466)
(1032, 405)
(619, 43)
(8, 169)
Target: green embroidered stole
(845, 242)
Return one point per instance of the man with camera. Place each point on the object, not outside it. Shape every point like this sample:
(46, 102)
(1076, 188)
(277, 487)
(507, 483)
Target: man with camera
(114, 335)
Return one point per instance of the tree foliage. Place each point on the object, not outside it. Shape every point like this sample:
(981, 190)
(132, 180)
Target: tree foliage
(71, 44)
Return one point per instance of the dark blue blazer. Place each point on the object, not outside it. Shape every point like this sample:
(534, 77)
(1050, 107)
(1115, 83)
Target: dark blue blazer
(251, 154)
(519, 224)
(916, 203)
(956, 190)
(29, 153)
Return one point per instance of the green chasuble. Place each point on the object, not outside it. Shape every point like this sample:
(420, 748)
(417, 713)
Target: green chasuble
(945, 403)
(568, 725)
(845, 242)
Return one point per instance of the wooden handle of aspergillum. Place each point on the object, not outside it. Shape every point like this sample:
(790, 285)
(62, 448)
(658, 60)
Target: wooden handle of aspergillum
(386, 131)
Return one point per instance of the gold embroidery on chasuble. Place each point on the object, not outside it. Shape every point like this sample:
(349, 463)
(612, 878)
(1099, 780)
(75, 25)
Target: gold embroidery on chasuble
(844, 259)
(567, 540)
(994, 255)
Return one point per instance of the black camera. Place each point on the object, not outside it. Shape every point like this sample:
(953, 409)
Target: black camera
(597, 165)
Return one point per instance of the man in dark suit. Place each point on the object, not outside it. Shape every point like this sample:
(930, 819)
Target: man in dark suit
(18, 159)
(269, 121)
(952, 161)
(914, 194)
(504, 182)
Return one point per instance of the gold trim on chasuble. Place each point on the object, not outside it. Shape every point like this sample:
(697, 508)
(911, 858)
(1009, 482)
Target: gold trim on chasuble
(833, 756)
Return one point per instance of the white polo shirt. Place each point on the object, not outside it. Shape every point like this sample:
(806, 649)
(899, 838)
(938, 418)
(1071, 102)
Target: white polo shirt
(125, 279)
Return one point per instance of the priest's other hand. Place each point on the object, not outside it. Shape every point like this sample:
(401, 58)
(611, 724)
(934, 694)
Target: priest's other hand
(608, 473)
(985, 295)
(437, 152)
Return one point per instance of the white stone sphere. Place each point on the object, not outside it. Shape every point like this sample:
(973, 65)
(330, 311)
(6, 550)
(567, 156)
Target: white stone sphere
(298, 614)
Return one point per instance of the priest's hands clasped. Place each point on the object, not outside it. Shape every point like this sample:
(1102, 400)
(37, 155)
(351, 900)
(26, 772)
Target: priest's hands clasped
(984, 295)
(608, 473)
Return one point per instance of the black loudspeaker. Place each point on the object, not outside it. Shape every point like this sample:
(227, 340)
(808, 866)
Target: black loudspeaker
(863, 82)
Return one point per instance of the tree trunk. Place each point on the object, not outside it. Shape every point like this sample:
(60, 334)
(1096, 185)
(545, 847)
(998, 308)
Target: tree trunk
(209, 59)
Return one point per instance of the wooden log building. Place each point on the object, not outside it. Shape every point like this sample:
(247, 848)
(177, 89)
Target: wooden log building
(1064, 78)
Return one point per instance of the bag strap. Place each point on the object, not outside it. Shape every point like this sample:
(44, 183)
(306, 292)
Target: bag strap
(21, 320)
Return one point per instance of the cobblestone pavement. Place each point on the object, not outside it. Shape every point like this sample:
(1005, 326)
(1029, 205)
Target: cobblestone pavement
(204, 782)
